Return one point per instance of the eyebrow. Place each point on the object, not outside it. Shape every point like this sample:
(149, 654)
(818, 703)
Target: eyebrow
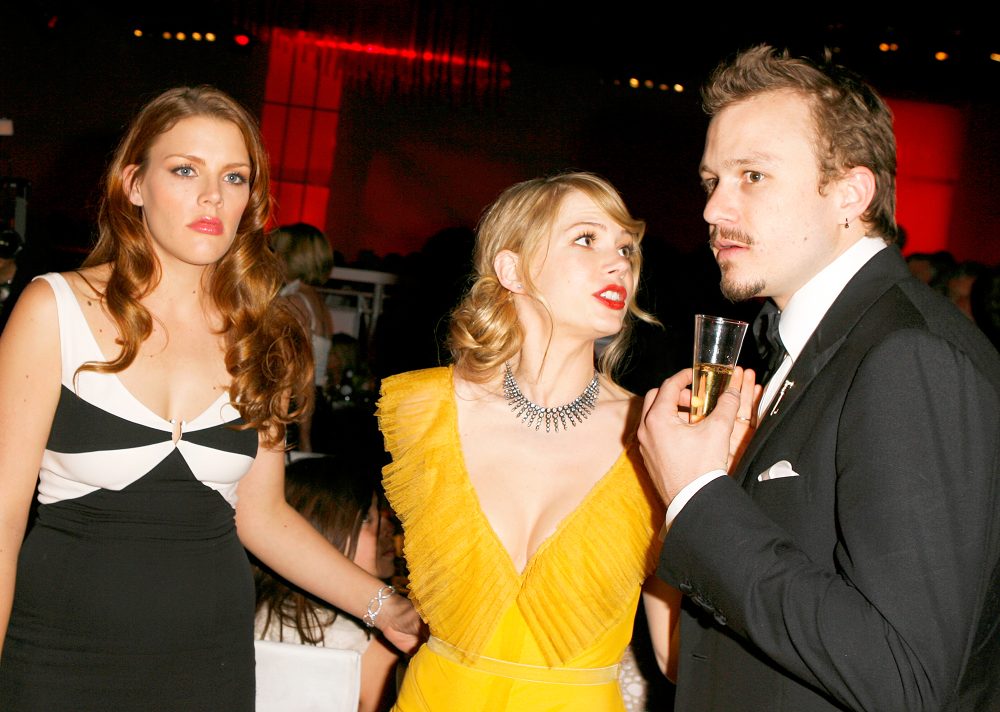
(587, 223)
(755, 158)
(198, 159)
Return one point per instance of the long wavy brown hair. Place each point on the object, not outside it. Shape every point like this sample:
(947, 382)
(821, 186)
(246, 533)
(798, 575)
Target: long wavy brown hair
(267, 352)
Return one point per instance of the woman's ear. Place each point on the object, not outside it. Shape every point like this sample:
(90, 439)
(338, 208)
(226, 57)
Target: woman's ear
(131, 184)
(507, 266)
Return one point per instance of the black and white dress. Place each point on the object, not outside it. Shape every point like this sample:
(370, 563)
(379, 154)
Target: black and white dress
(133, 591)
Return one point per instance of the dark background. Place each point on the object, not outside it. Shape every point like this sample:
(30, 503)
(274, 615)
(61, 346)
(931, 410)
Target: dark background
(419, 154)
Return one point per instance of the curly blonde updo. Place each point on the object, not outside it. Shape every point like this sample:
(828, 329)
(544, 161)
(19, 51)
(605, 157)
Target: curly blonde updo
(484, 331)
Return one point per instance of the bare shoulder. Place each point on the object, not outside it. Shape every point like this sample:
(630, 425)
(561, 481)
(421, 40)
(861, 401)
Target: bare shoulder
(35, 311)
(29, 345)
(625, 405)
(89, 282)
(467, 390)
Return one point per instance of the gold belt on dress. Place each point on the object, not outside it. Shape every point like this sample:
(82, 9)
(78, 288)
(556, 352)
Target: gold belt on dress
(525, 673)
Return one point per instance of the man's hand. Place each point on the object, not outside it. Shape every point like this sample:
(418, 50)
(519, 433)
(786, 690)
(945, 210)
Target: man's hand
(677, 452)
(746, 419)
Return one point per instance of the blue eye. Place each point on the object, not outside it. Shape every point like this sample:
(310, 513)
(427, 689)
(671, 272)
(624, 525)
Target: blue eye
(184, 171)
(236, 178)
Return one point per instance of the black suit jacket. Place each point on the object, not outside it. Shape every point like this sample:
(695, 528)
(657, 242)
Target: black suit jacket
(869, 579)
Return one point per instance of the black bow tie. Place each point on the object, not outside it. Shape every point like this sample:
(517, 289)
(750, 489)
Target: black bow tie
(769, 346)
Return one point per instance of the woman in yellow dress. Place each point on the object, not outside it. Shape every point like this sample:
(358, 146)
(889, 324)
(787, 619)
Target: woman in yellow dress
(530, 524)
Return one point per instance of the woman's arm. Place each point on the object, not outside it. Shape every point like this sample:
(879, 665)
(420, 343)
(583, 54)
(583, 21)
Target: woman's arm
(663, 607)
(378, 663)
(30, 383)
(288, 544)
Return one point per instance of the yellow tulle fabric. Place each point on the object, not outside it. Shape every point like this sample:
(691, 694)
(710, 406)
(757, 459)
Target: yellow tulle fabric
(573, 604)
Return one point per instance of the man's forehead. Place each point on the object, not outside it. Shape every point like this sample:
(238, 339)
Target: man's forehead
(761, 127)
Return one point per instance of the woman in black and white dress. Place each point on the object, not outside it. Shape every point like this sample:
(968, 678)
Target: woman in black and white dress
(146, 395)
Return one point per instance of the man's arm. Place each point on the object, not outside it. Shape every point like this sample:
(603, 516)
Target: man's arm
(889, 625)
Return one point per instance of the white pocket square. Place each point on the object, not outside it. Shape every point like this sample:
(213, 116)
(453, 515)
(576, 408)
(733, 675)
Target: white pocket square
(782, 468)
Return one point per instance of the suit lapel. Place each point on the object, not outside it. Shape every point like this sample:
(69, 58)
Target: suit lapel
(871, 282)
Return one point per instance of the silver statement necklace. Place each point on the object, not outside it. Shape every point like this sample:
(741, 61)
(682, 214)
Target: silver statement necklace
(573, 413)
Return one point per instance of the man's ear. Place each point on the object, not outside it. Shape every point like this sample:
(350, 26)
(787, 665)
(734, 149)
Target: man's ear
(857, 190)
(507, 266)
(131, 183)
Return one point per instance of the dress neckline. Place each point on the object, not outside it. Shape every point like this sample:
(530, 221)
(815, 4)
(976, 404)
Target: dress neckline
(96, 347)
(581, 507)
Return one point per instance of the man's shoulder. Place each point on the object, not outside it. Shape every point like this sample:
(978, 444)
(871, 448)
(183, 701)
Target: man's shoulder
(910, 315)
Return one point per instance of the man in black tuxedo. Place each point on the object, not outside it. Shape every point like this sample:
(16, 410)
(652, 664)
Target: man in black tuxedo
(850, 561)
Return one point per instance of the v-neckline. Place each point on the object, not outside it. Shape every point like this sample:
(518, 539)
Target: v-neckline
(121, 384)
(477, 507)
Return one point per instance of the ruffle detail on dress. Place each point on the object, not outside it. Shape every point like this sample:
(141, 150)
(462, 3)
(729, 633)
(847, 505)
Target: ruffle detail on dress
(458, 582)
(578, 589)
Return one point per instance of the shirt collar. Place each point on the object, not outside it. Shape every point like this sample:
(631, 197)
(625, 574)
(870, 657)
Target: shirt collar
(809, 305)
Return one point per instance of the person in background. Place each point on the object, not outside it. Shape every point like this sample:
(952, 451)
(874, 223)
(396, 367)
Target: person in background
(985, 300)
(959, 283)
(308, 259)
(146, 395)
(530, 524)
(340, 498)
(11, 244)
(931, 268)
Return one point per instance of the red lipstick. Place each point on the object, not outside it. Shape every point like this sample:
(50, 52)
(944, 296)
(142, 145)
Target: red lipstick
(208, 226)
(612, 296)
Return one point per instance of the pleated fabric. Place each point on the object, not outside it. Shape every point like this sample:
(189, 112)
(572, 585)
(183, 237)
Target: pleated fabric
(571, 607)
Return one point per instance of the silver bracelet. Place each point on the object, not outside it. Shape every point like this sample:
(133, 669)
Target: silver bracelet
(375, 605)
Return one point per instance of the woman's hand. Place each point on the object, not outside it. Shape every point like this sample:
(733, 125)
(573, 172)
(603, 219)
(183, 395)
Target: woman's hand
(400, 624)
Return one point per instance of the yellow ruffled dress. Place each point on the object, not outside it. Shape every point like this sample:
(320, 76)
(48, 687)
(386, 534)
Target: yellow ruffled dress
(547, 638)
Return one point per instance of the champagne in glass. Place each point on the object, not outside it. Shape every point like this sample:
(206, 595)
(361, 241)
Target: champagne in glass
(717, 343)
(710, 381)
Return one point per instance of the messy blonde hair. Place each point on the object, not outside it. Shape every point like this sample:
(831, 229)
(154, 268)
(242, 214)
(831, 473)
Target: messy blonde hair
(484, 330)
(267, 353)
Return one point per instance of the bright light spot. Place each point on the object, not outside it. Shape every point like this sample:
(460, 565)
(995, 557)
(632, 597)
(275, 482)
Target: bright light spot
(166, 35)
(940, 56)
(137, 32)
(678, 88)
(210, 36)
(196, 36)
(648, 83)
(181, 36)
(995, 56)
(634, 83)
(894, 46)
(663, 87)
(884, 46)
(241, 39)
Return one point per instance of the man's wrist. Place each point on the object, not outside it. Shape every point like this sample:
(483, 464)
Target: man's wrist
(689, 490)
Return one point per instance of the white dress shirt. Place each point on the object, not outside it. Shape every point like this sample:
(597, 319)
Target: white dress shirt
(799, 319)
